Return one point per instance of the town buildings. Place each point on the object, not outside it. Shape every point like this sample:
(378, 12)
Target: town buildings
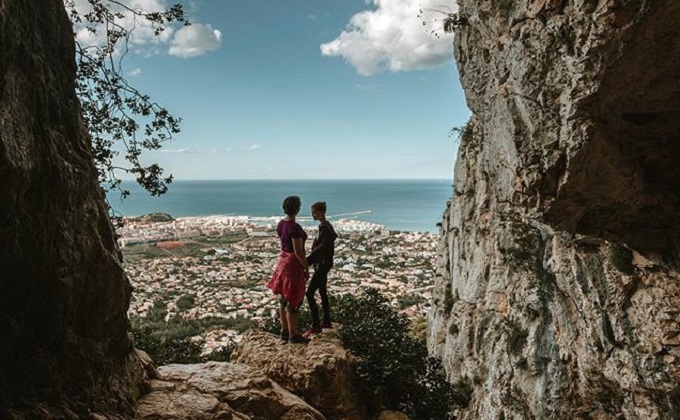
(217, 268)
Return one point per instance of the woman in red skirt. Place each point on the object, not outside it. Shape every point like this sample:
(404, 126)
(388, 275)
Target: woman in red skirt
(291, 274)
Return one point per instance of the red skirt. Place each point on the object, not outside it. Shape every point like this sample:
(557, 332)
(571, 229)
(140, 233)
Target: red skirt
(289, 279)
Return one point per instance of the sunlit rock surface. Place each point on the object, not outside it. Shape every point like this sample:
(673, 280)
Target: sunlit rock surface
(558, 294)
(265, 379)
(321, 372)
(220, 390)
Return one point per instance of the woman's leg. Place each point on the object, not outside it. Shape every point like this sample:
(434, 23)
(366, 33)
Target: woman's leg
(311, 290)
(292, 322)
(283, 317)
(323, 292)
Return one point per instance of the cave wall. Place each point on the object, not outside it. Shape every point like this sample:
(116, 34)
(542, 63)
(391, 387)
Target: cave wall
(557, 293)
(63, 293)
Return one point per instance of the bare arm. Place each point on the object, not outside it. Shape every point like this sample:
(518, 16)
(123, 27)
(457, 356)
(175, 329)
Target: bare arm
(299, 249)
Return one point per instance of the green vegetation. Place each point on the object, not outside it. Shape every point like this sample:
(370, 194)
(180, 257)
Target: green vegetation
(463, 390)
(462, 132)
(446, 20)
(186, 302)
(567, 37)
(409, 300)
(195, 247)
(453, 329)
(239, 324)
(177, 340)
(504, 5)
(224, 240)
(419, 328)
(621, 258)
(448, 299)
(522, 364)
(517, 337)
(138, 252)
(168, 350)
(154, 217)
(395, 371)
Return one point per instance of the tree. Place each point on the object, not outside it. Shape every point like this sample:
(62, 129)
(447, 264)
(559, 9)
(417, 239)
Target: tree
(116, 114)
(443, 18)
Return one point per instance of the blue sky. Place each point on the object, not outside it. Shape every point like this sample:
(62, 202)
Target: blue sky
(302, 89)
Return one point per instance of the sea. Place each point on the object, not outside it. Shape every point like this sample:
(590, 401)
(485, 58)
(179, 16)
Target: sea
(397, 204)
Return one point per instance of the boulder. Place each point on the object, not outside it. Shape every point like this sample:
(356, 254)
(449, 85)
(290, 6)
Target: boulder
(321, 372)
(220, 390)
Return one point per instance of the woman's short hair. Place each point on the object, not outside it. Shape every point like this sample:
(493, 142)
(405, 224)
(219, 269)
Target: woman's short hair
(291, 205)
(320, 205)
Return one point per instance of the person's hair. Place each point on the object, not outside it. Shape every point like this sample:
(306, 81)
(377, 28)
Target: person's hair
(319, 205)
(291, 205)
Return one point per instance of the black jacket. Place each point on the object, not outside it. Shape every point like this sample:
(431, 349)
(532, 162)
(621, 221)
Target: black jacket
(323, 246)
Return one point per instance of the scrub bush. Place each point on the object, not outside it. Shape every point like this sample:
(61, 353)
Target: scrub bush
(395, 371)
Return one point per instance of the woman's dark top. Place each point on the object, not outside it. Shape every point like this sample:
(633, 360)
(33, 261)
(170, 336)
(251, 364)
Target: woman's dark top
(323, 246)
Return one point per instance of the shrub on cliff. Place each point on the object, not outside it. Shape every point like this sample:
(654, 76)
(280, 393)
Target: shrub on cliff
(168, 350)
(622, 258)
(395, 371)
(177, 340)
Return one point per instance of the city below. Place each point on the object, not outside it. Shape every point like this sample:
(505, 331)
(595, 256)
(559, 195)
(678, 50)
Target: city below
(217, 267)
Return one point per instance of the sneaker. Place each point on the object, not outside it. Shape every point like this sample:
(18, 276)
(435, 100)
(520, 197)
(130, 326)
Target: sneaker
(326, 325)
(298, 339)
(310, 331)
(284, 336)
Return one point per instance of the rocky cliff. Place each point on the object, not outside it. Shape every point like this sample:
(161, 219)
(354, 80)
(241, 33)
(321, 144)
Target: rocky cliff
(265, 380)
(63, 293)
(558, 290)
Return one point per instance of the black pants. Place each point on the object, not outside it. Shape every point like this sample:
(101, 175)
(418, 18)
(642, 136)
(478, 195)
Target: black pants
(319, 282)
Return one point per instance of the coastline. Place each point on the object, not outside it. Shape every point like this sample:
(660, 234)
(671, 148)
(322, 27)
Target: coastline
(167, 228)
(399, 205)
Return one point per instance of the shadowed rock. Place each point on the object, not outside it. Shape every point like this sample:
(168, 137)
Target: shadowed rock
(63, 292)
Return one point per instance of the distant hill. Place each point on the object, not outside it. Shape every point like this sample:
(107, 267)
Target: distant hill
(154, 217)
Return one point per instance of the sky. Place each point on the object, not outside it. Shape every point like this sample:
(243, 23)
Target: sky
(301, 89)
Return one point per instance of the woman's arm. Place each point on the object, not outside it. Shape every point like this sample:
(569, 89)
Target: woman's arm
(299, 249)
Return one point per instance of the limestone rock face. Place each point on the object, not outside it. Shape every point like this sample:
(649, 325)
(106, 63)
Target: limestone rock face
(63, 293)
(266, 379)
(558, 293)
(220, 390)
(321, 372)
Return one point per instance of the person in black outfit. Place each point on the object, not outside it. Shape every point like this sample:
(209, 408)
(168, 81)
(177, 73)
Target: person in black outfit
(321, 257)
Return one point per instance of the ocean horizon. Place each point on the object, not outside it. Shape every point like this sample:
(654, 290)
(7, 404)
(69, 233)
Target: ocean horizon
(398, 204)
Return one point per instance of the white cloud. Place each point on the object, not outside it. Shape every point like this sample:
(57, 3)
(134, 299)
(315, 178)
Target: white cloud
(175, 151)
(195, 40)
(392, 37)
(366, 87)
(187, 41)
(254, 147)
(192, 151)
(135, 72)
